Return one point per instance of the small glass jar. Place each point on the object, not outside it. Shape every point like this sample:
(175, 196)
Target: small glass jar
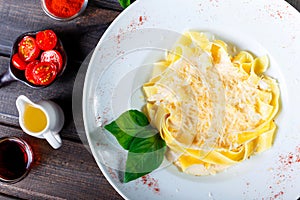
(16, 157)
(64, 10)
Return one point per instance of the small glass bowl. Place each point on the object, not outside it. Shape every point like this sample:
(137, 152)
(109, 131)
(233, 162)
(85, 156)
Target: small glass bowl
(53, 16)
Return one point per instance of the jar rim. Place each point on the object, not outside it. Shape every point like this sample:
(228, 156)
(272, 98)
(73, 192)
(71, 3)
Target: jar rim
(53, 16)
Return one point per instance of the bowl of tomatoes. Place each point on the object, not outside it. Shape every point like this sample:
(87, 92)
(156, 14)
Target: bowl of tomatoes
(37, 59)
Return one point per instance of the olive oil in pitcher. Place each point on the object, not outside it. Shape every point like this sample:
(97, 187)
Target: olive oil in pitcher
(35, 119)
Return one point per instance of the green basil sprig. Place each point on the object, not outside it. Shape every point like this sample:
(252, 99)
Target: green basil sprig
(124, 3)
(146, 149)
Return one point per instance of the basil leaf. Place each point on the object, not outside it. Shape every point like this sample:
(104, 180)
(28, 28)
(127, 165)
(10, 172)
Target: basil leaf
(123, 138)
(144, 156)
(128, 125)
(138, 117)
(124, 3)
(146, 149)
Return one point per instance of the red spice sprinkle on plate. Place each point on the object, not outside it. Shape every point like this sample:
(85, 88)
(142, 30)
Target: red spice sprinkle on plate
(277, 11)
(135, 24)
(151, 183)
(284, 171)
(298, 155)
(142, 19)
(112, 173)
(278, 195)
(290, 158)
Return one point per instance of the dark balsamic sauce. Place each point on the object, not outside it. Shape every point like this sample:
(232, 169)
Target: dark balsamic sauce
(14, 161)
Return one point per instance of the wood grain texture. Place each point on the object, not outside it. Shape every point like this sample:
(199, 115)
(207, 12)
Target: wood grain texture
(295, 3)
(67, 173)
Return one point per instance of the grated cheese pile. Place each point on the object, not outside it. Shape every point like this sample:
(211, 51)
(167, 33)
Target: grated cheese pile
(213, 109)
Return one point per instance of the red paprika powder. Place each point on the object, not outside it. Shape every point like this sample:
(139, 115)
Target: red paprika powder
(64, 8)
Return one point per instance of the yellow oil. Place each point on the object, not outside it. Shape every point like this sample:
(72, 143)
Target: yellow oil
(35, 119)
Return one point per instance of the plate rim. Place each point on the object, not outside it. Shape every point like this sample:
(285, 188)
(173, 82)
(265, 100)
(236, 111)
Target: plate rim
(85, 89)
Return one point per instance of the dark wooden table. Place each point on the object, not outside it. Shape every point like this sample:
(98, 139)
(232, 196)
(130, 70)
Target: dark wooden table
(70, 172)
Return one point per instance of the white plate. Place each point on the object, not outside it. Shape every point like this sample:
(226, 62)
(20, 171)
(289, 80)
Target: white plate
(122, 62)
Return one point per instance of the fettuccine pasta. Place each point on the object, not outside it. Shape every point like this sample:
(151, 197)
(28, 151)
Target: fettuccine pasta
(213, 107)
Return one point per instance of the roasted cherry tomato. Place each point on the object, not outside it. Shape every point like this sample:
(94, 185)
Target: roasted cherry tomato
(28, 49)
(44, 73)
(29, 71)
(53, 56)
(46, 39)
(18, 62)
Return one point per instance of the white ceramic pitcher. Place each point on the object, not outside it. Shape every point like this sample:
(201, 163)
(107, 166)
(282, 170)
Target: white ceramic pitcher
(54, 115)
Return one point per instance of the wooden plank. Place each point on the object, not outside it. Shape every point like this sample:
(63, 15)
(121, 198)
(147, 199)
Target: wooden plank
(295, 3)
(67, 173)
